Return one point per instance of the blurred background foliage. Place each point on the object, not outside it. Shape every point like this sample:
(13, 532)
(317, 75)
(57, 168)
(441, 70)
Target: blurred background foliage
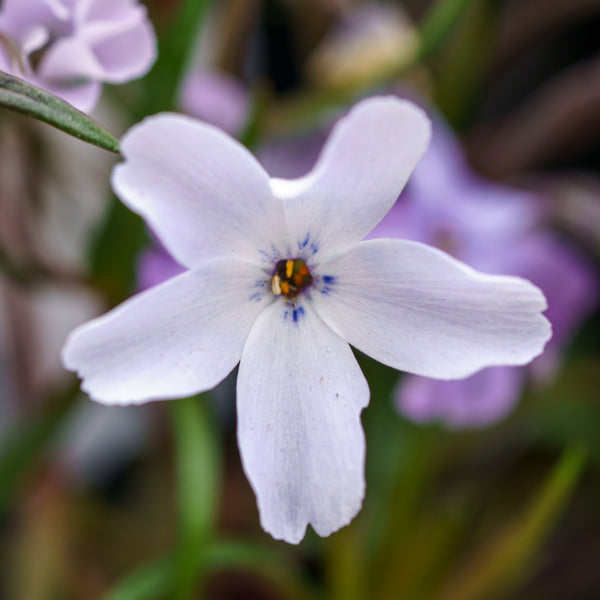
(151, 502)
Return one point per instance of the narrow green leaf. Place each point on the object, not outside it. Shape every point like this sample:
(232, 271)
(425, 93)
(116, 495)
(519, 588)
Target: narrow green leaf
(198, 470)
(438, 24)
(463, 65)
(151, 582)
(251, 133)
(500, 564)
(345, 565)
(23, 97)
(174, 53)
(197, 456)
(270, 563)
(154, 581)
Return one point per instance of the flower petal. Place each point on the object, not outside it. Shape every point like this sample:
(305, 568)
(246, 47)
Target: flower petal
(177, 339)
(476, 401)
(417, 309)
(567, 279)
(300, 392)
(82, 96)
(202, 192)
(70, 58)
(19, 15)
(363, 167)
(124, 55)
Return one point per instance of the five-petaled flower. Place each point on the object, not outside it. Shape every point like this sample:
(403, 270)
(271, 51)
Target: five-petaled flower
(279, 280)
(70, 47)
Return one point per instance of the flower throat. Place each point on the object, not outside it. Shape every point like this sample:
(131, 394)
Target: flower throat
(291, 276)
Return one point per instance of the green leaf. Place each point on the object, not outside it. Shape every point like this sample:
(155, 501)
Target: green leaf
(151, 582)
(438, 24)
(174, 54)
(198, 469)
(465, 62)
(501, 562)
(154, 581)
(270, 563)
(549, 417)
(23, 97)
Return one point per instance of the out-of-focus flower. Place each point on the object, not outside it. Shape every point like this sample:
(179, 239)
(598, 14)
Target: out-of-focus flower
(70, 47)
(496, 230)
(155, 266)
(370, 43)
(280, 282)
(293, 155)
(215, 98)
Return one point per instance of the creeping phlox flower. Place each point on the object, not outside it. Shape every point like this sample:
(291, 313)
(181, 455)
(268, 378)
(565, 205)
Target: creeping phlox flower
(498, 230)
(70, 47)
(279, 280)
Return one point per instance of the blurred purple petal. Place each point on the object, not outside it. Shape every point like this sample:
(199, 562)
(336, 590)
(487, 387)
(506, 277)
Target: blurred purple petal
(215, 98)
(156, 266)
(479, 400)
(82, 43)
(69, 58)
(498, 230)
(444, 159)
(567, 279)
(18, 16)
(448, 206)
(127, 51)
(293, 156)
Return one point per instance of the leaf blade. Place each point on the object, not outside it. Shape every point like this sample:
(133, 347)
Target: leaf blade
(25, 98)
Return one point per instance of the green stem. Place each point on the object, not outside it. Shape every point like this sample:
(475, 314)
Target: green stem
(198, 468)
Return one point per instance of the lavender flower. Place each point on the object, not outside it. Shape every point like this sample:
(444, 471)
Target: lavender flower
(215, 98)
(70, 47)
(496, 230)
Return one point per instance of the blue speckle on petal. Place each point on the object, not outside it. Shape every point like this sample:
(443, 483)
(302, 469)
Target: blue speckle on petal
(328, 281)
(297, 313)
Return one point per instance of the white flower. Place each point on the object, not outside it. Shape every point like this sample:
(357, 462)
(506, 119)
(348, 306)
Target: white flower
(280, 281)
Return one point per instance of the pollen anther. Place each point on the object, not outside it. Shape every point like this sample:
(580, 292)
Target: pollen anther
(289, 268)
(276, 285)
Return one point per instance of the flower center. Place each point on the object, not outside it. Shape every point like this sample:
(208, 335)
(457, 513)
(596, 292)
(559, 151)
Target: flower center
(291, 276)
